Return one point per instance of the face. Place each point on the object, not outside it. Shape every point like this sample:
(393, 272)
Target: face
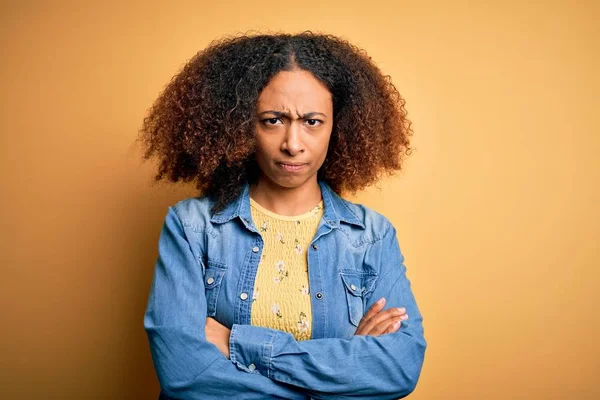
(294, 123)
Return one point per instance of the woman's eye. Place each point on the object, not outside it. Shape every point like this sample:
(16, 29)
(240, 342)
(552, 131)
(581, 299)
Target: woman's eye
(313, 122)
(271, 121)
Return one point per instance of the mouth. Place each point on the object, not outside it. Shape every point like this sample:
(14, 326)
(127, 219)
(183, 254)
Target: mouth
(291, 167)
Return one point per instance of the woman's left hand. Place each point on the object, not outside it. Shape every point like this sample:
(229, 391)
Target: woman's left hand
(218, 335)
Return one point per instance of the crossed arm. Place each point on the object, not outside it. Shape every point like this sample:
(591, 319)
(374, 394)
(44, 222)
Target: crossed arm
(188, 349)
(187, 365)
(375, 322)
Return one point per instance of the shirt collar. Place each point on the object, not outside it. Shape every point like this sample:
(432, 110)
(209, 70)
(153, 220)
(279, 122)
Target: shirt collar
(336, 209)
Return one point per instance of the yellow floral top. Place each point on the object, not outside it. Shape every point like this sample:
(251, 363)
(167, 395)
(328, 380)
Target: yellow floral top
(281, 298)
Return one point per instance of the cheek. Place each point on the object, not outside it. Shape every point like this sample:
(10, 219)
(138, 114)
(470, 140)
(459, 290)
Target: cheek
(320, 152)
(324, 145)
(260, 156)
(261, 144)
(264, 150)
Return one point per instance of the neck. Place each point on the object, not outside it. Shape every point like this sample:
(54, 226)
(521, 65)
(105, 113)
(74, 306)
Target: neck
(286, 201)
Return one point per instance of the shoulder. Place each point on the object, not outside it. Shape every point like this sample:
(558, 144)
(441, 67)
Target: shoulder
(377, 238)
(194, 213)
(361, 223)
(375, 226)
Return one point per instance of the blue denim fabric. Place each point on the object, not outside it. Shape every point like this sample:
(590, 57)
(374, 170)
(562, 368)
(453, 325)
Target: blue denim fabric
(206, 268)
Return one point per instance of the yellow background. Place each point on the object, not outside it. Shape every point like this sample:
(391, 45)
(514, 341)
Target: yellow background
(497, 210)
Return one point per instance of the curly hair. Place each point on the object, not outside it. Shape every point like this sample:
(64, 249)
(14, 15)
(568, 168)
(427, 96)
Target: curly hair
(202, 126)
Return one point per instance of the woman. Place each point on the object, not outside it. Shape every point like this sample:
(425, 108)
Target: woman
(270, 285)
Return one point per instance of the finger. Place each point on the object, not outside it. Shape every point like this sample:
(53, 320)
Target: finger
(393, 327)
(373, 311)
(388, 326)
(384, 317)
(367, 326)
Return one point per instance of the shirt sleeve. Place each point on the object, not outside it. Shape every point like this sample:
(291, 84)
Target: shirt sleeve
(383, 367)
(189, 367)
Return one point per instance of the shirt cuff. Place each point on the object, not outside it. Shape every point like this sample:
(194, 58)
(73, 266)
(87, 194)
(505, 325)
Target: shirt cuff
(250, 348)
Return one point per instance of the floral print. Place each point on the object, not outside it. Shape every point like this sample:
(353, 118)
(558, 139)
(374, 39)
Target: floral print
(297, 247)
(280, 268)
(303, 323)
(276, 310)
(305, 290)
(280, 238)
(264, 226)
(281, 298)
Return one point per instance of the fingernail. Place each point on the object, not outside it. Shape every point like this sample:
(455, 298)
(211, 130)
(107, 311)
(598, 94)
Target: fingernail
(381, 300)
(396, 325)
(404, 317)
(402, 310)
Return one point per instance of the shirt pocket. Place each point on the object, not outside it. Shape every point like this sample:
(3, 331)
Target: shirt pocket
(213, 277)
(357, 286)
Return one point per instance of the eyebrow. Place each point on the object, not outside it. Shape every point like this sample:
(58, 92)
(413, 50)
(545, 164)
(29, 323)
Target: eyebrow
(280, 114)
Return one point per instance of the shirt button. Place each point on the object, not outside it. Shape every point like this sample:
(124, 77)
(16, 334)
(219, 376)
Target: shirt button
(244, 296)
(319, 295)
(251, 367)
(352, 287)
(315, 247)
(255, 249)
(210, 281)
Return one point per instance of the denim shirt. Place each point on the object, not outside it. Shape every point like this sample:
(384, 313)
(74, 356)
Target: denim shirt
(206, 267)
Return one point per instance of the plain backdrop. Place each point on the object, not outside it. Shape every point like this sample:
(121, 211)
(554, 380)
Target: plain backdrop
(497, 209)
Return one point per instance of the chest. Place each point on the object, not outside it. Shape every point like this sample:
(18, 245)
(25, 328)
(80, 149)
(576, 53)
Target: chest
(338, 276)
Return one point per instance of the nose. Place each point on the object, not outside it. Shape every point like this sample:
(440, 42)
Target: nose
(292, 143)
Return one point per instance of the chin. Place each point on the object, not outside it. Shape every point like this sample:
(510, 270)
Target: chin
(290, 182)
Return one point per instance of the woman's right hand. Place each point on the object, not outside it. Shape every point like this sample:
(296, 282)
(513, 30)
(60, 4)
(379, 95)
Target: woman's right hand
(377, 322)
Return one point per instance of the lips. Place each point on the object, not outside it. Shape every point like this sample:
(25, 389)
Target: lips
(292, 166)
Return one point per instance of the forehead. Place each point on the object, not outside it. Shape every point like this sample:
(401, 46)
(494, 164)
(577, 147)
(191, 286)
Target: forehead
(295, 89)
